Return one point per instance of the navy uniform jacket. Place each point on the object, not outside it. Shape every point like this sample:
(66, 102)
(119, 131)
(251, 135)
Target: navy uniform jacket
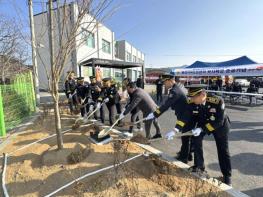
(93, 92)
(210, 116)
(83, 91)
(177, 100)
(110, 93)
(159, 85)
(70, 86)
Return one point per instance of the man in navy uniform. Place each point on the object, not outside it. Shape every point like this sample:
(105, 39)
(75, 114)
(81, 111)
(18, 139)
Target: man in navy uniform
(95, 91)
(177, 101)
(159, 89)
(83, 96)
(209, 114)
(111, 97)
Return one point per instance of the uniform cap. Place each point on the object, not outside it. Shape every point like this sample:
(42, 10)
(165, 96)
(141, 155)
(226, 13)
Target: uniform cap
(80, 78)
(106, 79)
(194, 89)
(92, 77)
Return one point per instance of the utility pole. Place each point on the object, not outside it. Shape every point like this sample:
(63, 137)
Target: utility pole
(51, 37)
(34, 54)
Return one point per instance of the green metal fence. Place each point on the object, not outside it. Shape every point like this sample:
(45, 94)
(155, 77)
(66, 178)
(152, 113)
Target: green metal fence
(17, 101)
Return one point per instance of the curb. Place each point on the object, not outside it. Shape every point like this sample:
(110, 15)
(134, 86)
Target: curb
(226, 188)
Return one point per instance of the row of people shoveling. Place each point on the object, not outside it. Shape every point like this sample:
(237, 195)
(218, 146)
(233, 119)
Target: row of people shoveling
(195, 111)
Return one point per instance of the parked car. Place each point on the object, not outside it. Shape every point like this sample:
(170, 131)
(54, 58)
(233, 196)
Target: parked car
(243, 82)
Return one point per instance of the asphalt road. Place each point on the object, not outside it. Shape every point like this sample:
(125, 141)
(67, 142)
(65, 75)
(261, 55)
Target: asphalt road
(246, 147)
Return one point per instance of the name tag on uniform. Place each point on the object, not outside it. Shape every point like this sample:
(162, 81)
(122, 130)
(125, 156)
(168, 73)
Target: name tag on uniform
(213, 110)
(195, 112)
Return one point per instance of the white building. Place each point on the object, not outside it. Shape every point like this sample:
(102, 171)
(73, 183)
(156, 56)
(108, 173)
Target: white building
(128, 53)
(94, 40)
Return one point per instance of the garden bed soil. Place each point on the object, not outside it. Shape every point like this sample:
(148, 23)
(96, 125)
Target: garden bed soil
(40, 169)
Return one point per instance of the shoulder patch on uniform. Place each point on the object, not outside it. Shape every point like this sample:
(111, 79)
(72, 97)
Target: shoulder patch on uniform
(214, 100)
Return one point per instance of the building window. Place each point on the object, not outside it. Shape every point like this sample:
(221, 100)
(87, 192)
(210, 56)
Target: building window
(128, 57)
(116, 49)
(87, 71)
(106, 72)
(134, 58)
(106, 46)
(89, 38)
(118, 75)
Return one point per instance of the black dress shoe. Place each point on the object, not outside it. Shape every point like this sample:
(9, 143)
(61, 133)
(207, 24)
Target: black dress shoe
(196, 169)
(181, 159)
(227, 180)
(156, 136)
(190, 157)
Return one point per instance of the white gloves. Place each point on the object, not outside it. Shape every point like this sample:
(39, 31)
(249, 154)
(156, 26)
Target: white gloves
(150, 116)
(196, 132)
(98, 105)
(121, 116)
(89, 100)
(106, 100)
(170, 134)
(70, 96)
(91, 108)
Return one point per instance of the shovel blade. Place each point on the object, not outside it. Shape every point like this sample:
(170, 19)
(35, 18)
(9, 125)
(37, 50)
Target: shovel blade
(103, 132)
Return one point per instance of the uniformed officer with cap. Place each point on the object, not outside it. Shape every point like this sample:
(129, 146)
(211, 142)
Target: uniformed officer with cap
(177, 101)
(70, 87)
(95, 91)
(83, 95)
(159, 89)
(209, 114)
(111, 97)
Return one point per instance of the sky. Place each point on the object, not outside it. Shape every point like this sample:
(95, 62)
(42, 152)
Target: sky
(180, 32)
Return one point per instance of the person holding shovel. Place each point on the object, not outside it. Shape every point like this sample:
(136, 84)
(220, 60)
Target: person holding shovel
(144, 102)
(111, 97)
(95, 90)
(135, 112)
(209, 114)
(83, 96)
(177, 101)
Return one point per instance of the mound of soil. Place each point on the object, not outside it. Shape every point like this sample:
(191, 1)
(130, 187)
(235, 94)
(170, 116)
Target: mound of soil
(143, 177)
(71, 153)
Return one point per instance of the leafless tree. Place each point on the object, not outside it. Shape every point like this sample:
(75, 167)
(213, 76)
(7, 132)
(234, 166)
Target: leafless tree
(13, 53)
(68, 38)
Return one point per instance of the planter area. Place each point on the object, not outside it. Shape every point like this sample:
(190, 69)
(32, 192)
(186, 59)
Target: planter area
(40, 169)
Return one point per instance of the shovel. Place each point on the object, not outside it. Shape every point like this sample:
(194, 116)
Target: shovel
(134, 123)
(76, 125)
(188, 133)
(106, 131)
